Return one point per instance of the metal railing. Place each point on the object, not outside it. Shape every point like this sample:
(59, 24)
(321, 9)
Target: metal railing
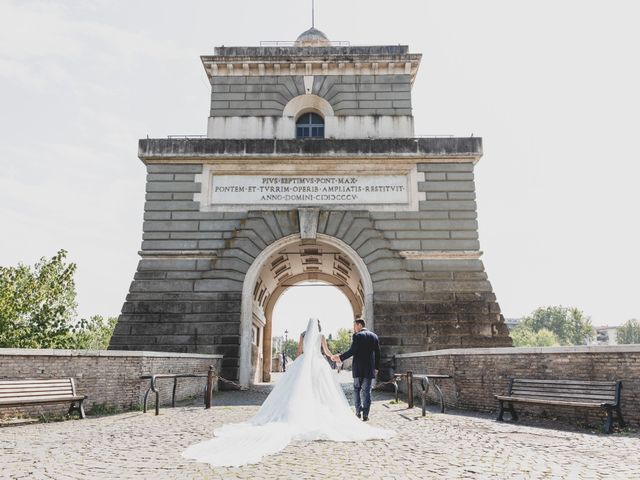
(153, 387)
(289, 43)
(186, 136)
(414, 136)
(433, 136)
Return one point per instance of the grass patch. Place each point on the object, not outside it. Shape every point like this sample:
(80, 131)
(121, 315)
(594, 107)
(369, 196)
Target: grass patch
(98, 409)
(53, 417)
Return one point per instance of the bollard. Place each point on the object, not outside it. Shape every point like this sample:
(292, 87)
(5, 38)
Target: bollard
(209, 394)
(410, 389)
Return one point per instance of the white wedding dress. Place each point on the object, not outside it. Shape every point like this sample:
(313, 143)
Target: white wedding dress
(306, 404)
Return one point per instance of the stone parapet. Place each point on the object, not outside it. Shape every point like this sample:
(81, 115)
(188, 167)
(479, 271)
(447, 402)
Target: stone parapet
(109, 378)
(480, 373)
(306, 52)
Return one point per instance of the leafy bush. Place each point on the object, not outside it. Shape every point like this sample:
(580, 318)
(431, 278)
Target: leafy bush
(525, 337)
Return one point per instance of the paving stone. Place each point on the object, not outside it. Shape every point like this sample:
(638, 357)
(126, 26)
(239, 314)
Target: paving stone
(455, 445)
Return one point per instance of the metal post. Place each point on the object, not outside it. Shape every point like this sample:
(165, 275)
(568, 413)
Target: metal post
(209, 394)
(410, 388)
(173, 393)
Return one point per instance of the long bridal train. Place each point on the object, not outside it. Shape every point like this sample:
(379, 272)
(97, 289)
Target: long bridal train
(306, 404)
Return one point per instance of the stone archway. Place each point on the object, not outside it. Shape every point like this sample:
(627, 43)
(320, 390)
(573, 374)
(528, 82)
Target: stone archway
(281, 265)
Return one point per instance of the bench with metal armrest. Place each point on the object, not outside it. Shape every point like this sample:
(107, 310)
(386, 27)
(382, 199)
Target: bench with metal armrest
(603, 395)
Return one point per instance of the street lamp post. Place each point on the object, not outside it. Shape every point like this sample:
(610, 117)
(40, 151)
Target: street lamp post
(284, 351)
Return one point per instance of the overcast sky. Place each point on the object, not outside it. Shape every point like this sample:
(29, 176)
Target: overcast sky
(551, 86)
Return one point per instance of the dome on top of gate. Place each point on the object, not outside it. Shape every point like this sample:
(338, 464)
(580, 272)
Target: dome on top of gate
(312, 38)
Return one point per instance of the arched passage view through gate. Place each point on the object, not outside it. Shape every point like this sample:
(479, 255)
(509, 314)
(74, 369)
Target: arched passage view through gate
(282, 265)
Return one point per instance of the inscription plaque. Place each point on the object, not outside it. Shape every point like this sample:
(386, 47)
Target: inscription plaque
(308, 189)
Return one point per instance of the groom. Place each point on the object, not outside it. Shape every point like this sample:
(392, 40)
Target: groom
(365, 350)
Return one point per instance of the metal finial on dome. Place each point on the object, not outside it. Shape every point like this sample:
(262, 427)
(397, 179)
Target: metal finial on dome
(312, 37)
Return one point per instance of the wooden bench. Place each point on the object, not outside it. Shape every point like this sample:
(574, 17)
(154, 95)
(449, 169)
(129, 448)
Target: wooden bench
(18, 393)
(568, 393)
(426, 381)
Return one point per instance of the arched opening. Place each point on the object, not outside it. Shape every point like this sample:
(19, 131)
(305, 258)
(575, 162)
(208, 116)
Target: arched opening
(310, 125)
(291, 313)
(281, 266)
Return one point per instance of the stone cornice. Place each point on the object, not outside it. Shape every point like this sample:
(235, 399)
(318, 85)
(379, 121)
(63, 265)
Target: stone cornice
(441, 255)
(178, 254)
(452, 150)
(336, 64)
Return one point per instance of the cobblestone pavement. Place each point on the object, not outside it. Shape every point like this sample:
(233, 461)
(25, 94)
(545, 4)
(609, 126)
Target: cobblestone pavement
(458, 445)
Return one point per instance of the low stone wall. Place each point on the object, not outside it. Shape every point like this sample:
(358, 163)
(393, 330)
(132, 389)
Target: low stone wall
(480, 373)
(107, 377)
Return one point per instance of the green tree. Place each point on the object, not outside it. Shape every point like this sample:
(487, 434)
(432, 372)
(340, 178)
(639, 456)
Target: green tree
(38, 304)
(525, 337)
(341, 342)
(629, 332)
(570, 325)
(93, 334)
(290, 347)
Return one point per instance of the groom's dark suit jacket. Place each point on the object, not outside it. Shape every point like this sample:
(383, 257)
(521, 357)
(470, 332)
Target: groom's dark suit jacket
(365, 350)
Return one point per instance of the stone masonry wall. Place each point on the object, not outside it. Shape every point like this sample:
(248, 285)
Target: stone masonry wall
(248, 96)
(192, 304)
(106, 377)
(479, 374)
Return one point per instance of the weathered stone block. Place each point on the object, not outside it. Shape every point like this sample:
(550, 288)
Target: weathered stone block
(162, 286)
(219, 225)
(174, 168)
(446, 186)
(401, 79)
(450, 205)
(449, 245)
(421, 234)
(405, 244)
(445, 167)
(160, 177)
(157, 215)
(461, 195)
(398, 224)
(169, 245)
(449, 225)
(171, 226)
(171, 205)
(460, 176)
(158, 196)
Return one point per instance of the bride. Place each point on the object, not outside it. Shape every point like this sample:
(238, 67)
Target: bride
(306, 404)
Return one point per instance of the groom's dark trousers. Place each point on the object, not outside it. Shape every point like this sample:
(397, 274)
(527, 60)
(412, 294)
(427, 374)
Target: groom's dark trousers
(365, 350)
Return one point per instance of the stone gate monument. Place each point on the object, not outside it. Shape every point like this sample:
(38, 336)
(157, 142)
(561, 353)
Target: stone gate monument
(310, 170)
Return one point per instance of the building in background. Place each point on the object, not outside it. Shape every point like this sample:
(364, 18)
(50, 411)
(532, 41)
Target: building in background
(310, 170)
(606, 335)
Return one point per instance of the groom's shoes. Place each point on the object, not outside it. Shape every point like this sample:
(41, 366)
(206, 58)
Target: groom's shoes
(358, 414)
(365, 418)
